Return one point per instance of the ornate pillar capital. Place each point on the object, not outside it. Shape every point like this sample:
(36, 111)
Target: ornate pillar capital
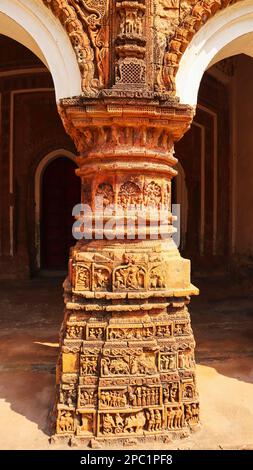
(133, 112)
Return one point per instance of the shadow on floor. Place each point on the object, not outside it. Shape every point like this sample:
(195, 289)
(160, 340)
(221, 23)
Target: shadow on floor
(31, 314)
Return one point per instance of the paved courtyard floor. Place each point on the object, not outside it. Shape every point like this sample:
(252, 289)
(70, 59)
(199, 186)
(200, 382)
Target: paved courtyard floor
(222, 318)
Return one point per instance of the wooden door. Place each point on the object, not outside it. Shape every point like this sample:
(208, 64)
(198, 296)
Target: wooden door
(61, 190)
(204, 153)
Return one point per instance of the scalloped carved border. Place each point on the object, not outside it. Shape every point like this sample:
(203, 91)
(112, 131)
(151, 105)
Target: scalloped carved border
(189, 24)
(84, 22)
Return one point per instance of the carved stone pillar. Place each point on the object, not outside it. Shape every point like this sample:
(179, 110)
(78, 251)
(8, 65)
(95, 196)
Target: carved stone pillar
(126, 367)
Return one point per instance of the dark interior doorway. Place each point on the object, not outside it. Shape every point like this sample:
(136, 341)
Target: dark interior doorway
(61, 190)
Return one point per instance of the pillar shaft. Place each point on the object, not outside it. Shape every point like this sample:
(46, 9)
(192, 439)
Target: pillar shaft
(126, 365)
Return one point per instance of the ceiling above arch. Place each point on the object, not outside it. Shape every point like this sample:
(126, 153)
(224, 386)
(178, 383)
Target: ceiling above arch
(30, 23)
(11, 29)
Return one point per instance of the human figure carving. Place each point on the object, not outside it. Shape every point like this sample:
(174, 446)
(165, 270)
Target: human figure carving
(166, 395)
(105, 366)
(132, 397)
(173, 393)
(171, 415)
(108, 424)
(66, 422)
(178, 418)
(119, 423)
(158, 420)
(188, 413)
(151, 420)
(148, 400)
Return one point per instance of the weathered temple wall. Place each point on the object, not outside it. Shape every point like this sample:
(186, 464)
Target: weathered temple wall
(244, 156)
(30, 129)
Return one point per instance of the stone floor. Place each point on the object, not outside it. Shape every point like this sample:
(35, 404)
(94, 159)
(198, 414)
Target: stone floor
(222, 318)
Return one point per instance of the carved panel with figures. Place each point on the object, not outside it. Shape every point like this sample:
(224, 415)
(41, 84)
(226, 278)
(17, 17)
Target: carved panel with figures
(87, 397)
(68, 395)
(167, 362)
(95, 331)
(144, 363)
(121, 423)
(174, 417)
(88, 365)
(171, 393)
(124, 332)
(65, 422)
(129, 277)
(83, 277)
(75, 331)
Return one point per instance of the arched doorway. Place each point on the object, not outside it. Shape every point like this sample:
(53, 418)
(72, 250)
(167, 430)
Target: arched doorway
(217, 157)
(60, 192)
(218, 147)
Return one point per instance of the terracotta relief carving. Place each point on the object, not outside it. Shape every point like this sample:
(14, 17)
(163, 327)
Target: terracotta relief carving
(94, 277)
(174, 417)
(87, 397)
(130, 42)
(88, 425)
(88, 365)
(129, 277)
(168, 362)
(137, 29)
(181, 328)
(185, 360)
(119, 423)
(65, 422)
(112, 398)
(155, 420)
(156, 278)
(68, 395)
(84, 23)
(188, 391)
(74, 331)
(95, 332)
(152, 194)
(129, 194)
(171, 393)
(192, 413)
(139, 332)
(83, 278)
(101, 278)
(106, 193)
(193, 15)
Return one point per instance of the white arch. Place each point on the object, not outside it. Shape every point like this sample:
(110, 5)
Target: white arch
(32, 24)
(38, 180)
(228, 33)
